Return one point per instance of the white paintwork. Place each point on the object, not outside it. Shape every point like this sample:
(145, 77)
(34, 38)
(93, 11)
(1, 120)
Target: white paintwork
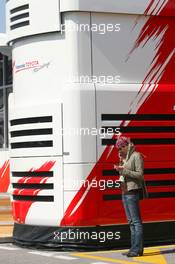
(3, 39)
(111, 6)
(75, 176)
(68, 197)
(4, 156)
(65, 52)
(111, 50)
(79, 112)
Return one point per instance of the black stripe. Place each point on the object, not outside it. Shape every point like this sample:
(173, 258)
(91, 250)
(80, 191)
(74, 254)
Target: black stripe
(139, 117)
(20, 24)
(142, 141)
(158, 183)
(110, 173)
(148, 183)
(162, 195)
(159, 171)
(153, 195)
(31, 120)
(161, 183)
(139, 129)
(33, 198)
(146, 171)
(31, 132)
(19, 8)
(32, 173)
(14, 18)
(111, 197)
(46, 186)
(32, 144)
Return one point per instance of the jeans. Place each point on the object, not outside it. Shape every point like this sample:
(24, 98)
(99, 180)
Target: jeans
(132, 210)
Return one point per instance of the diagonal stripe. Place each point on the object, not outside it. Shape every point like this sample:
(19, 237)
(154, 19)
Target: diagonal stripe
(152, 256)
(119, 261)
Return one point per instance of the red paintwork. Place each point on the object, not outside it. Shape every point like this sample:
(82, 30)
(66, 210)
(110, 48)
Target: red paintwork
(5, 176)
(93, 209)
(168, 10)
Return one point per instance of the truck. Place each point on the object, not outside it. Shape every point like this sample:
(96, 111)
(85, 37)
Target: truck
(85, 72)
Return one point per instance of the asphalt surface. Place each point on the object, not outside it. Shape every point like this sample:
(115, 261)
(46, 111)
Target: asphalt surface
(10, 254)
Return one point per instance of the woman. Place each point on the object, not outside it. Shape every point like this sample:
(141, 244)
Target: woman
(131, 169)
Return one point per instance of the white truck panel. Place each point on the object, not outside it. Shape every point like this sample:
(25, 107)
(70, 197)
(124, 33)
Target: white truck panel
(112, 6)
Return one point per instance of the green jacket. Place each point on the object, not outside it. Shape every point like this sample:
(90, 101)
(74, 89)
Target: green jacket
(133, 171)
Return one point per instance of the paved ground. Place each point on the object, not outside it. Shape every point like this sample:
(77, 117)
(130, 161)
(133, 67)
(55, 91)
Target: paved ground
(10, 254)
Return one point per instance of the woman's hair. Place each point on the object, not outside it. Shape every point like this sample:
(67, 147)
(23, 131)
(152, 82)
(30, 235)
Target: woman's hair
(122, 142)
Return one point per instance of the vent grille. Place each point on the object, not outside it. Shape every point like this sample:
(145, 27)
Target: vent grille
(28, 187)
(145, 129)
(19, 17)
(33, 136)
(155, 184)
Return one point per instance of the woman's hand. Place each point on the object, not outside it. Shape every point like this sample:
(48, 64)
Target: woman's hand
(118, 168)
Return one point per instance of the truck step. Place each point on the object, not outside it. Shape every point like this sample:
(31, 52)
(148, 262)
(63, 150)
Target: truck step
(6, 219)
(6, 231)
(5, 200)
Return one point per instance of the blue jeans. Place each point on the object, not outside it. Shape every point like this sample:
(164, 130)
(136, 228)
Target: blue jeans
(132, 210)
